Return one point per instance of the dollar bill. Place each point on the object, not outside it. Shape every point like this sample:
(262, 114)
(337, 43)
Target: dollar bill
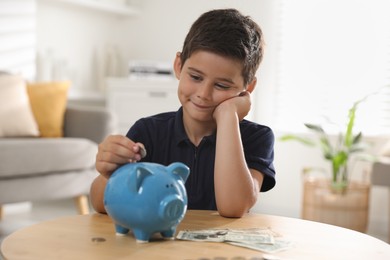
(211, 235)
(279, 245)
(264, 230)
(224, 235)
(260, 239)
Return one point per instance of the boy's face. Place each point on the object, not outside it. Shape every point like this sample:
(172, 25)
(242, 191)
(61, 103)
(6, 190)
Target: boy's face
(206, 80)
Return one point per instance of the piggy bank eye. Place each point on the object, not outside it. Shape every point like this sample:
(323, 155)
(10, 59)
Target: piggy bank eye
(171, 185)
(167, 185)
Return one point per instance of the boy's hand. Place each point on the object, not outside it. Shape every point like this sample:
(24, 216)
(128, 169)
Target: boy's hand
(116, 150)
(240, 105)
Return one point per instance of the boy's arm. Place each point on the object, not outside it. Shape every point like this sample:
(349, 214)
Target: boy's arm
(236, 186)
(96, 194)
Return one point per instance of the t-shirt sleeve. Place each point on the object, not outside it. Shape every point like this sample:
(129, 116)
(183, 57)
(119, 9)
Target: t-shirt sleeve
(139, 132)
(258, 142)
(136, 130)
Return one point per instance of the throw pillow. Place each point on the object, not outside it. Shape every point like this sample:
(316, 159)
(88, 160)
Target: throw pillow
(16, 117)
(48, 102)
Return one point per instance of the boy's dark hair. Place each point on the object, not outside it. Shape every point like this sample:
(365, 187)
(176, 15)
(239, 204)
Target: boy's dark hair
(229, 33)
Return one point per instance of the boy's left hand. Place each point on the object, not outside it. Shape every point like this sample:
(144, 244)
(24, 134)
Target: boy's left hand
(240, 105)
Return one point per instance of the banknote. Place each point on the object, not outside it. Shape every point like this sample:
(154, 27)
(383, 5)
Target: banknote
(260, 239)
(224, 235)
(277, 246)
(262, 230)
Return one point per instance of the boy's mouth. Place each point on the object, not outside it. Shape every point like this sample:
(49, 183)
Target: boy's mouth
(201, 106)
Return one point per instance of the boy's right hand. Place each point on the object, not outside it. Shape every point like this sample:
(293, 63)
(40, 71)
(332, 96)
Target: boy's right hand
(116, 150)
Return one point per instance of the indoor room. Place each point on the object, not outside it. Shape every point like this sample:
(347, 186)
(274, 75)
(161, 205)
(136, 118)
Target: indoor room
(323, 87)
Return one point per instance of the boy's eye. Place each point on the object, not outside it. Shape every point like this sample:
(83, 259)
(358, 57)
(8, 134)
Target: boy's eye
(195, 77)
(221, 86)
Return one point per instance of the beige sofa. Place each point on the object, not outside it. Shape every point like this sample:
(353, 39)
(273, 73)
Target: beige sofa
(34, 169)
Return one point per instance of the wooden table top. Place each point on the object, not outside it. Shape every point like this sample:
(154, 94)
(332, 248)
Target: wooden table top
(93, 237)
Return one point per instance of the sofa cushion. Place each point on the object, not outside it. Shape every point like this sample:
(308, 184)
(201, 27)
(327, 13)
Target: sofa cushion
(48, 103)
(37, 156)
(16, 116)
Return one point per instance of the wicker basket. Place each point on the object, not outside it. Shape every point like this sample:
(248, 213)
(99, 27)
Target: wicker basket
(347, 209)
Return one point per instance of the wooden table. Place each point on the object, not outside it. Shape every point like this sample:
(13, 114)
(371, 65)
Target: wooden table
(93, 237)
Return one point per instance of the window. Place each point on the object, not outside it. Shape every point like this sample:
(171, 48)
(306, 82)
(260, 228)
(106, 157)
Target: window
(17, 37)
(333, 53)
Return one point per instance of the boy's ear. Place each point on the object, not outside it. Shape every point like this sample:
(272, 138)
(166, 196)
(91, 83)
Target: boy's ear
(177, 65)
(251, 86)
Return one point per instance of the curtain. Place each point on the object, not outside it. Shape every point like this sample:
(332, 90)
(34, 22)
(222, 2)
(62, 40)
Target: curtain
(17, 37)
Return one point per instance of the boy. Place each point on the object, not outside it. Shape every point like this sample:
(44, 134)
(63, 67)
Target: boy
(230, 159)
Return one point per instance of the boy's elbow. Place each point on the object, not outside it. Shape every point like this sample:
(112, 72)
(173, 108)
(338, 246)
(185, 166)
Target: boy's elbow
(232, 212)
(227, 214)
(99, 209)
(96, 195)
(236, 210)
(97, 205)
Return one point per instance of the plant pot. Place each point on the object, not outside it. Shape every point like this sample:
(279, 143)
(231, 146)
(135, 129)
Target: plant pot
(347, 208)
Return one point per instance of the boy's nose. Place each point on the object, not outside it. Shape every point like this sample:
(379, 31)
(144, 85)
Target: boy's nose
(204, 90)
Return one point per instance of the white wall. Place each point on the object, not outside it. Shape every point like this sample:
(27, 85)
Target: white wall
(74, 41)
(80, 38)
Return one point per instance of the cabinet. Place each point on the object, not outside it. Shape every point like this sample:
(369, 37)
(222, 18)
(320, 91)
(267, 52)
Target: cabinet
(131, 99)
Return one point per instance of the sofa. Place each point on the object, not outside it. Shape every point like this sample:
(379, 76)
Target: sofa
(35, 169)
(47, 147)
(380, 174)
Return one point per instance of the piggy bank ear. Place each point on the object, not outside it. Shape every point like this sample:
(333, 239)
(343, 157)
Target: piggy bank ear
(137, 177)
(179, 169)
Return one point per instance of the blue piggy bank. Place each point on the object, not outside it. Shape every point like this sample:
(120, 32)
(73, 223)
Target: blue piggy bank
(147, 198)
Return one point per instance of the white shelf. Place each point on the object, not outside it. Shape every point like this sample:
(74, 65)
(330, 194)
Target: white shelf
(107, 6)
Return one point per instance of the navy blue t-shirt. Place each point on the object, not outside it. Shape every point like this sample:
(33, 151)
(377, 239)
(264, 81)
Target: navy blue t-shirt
(166, 142)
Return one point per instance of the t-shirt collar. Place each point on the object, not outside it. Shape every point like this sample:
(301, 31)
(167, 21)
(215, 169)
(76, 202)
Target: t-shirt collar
(180, 133)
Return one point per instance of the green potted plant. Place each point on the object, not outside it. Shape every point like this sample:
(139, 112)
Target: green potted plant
(338, 153)
(336, 200)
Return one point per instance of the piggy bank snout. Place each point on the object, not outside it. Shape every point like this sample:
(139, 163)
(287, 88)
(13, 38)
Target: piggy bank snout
(172, 208)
